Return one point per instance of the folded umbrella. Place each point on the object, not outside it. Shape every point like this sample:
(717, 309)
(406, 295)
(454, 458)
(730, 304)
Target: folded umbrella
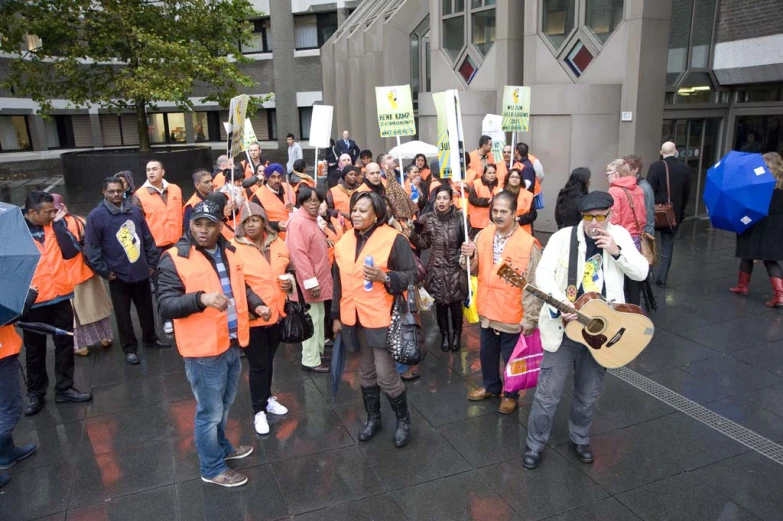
(338, 364)
(44, 329)
(18, 259)
(738, 191)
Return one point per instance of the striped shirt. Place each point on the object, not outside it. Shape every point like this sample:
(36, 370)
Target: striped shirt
(225, 282)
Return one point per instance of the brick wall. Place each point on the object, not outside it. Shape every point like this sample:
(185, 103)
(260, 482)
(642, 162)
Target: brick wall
(741, 19)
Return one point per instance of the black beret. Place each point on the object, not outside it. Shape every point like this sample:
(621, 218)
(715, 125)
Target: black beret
(596, 201)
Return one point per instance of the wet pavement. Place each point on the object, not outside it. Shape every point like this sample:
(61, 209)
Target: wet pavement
(129, 454)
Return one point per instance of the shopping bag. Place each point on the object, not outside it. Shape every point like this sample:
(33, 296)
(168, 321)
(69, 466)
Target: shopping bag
(525, 363)
(469, 309)
(425, 299)
(538, 200)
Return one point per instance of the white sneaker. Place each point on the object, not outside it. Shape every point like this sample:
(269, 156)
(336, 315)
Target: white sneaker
(262, 426)
(274, 407)
(168, 327)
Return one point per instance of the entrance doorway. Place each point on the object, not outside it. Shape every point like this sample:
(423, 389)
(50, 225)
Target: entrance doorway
(698, 144)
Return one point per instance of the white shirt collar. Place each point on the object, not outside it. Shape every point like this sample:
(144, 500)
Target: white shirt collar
(147, 184)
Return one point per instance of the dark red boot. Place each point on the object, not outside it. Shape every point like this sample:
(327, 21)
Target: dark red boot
(742, 286)
(777, 289)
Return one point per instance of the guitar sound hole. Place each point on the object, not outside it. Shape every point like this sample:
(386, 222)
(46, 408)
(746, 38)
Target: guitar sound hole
(596, 326)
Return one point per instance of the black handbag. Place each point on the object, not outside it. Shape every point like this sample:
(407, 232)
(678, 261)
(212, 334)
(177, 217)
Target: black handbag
(405, 340)
(297, 325)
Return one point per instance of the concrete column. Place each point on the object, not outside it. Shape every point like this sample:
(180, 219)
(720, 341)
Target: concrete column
(283, 45)
(342, 12)
(95, 127)
(37, 132)
(645, 76)
(190, 132)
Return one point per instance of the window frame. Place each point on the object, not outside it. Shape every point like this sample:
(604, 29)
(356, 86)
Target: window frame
(317, 43)
(29, 135)
(468, 48)
(302, 132)
(261, 26)
(271, 123)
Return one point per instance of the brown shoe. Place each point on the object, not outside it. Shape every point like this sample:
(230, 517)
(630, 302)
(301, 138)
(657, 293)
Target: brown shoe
(227, 478)
(479, 394)
(323, 368)
(84, 351)
(507, 405)
(240, 452)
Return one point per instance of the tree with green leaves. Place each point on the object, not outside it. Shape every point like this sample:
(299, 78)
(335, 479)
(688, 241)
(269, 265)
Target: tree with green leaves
(125, 54)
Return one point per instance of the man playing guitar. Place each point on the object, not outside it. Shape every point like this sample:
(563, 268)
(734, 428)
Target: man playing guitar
(592, 257)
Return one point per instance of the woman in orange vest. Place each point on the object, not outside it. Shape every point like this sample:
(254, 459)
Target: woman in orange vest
(300, 177)
(11, 395)
(265, 257)
(92, 308)
(480, 198)
(526, 208)
(366, 295)
(338, 198)
(505, 311)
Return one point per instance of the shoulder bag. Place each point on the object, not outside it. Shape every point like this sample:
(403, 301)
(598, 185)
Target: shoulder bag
(648, 246)
(664, 212)
(405, 340)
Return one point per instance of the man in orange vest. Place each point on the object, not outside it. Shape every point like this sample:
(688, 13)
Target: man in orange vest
(161, 204)
(202, 290)
(202, 180)
(52, 306)
(482, 156)
(276, 198)
(11, 395)
(532, 170)
(505, 311)
(338, 198)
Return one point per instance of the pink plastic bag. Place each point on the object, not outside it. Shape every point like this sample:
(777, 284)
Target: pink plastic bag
(525, 363)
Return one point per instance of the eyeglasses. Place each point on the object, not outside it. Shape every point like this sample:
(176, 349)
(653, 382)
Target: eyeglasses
(610, 173)
(600, 218)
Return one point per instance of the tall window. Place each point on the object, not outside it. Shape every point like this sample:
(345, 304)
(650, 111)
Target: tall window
(166, 127)
(14, 134)
(311, 31)
(305, 118)
(603, 17)
(557, 20)
(688, 73)
(271, 123)
(261, 39)
(420, 59)
(468, 32)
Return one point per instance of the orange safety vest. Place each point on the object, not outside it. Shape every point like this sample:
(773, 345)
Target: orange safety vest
(248, 168)
(10, 341)
(479, 217)
(496, 299)
(206, 333)
(164, 219)
(372, 307)
(193, 201)
(342, 203)
(228, 231)
(475, 161)
(334, 235)
(274, 207)
(524, 200)
(537, 186)
(52, 276)
(262, 276)
(77, 267)
(303, 182)
(219, 181)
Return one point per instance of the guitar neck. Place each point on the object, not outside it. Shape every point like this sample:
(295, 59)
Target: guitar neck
(552, 301)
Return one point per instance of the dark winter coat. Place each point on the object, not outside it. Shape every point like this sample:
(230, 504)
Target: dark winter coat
(679, 179)
(446, 281)
(567, 211)
(764, 240)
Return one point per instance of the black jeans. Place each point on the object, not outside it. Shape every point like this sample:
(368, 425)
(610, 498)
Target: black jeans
(633, 291)
(442, 313)
(10, 395)
(139, 293)
(58, 315)
(493, 344)
(665, 256)
(260, 355)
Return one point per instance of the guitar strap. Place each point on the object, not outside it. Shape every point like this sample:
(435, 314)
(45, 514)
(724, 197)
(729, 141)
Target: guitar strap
(573, 253)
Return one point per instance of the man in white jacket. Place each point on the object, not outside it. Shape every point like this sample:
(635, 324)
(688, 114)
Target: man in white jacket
(605, 254)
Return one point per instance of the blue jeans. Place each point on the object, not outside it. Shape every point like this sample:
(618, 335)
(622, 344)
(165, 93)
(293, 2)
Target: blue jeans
(214, 380)
(10, 395)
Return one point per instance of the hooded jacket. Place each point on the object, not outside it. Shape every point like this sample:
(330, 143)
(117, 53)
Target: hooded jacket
(621, 210)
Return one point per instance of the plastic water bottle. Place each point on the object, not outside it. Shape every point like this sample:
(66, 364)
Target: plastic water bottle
(368, 261)
(414, 193)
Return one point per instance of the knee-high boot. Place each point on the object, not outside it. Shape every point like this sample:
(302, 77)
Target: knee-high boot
(442, 312)
(402, 434)
(456, 325)
(372, 405)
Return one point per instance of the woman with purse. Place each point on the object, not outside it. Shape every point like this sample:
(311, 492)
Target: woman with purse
(443, 232)
(309, 250)
(628, 212)
(764, 240)
(265, 257)
(373, 263)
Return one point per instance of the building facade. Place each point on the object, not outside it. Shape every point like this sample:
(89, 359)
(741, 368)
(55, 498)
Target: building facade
(608, 77)
(285, 54)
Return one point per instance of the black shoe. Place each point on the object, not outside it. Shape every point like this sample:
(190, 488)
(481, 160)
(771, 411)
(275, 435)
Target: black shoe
(445, 344)
(372, 405)
(157, 344)
(456, 343)
(531, 458)
(132, 359)
(34, 405)
(4, 479)
(583, 452)
(412, 378)
(72, 395)
(317, 369)
(402, 433)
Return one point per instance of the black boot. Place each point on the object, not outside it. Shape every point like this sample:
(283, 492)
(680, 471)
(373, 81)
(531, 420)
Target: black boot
(402, 434)
(442, 312)
(372, 404)
(456, 324)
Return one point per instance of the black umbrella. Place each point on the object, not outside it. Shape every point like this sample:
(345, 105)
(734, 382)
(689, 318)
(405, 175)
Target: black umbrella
(338, 364)
(43, 329)
(18, 259)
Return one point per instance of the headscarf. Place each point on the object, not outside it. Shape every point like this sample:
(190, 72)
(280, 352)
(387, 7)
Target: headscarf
(400, 201)
(249, 210)
(127, 176)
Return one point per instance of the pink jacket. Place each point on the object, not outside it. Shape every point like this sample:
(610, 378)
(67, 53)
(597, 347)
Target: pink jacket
(621, 210)
(310, 254)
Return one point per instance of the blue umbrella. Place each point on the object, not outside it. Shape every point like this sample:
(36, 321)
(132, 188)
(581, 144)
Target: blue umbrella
(738, 191)
(338, 364)
(18, 259)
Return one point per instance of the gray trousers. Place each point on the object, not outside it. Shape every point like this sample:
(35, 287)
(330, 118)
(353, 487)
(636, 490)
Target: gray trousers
(665, 252)
(555, 368)
(376, 367)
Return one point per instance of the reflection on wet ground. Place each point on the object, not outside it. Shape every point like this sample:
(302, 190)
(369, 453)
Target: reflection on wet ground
(129, 454)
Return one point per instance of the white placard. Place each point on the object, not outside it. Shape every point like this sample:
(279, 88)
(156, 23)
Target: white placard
(321, 126)
(626, 116)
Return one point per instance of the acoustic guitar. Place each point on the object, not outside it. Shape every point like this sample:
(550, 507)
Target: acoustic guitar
(614, 334)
